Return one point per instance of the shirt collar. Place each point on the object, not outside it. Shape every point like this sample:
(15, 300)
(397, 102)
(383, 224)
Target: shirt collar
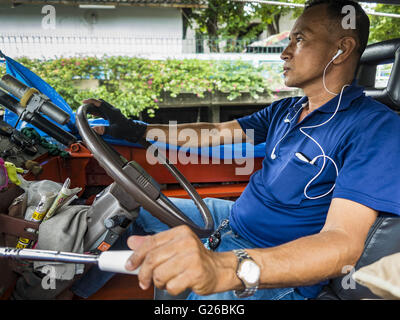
(349, 95)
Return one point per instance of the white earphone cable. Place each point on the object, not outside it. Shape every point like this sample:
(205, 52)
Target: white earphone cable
(273, 155)
(323, 152)
(323, 77)
(323, 155)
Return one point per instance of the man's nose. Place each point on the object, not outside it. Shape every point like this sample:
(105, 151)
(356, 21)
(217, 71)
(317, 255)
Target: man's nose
(285, 55)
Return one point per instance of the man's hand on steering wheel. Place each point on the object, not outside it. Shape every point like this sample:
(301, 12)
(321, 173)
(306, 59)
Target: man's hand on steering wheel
(176, 260)
(130, 176)
(119, 126)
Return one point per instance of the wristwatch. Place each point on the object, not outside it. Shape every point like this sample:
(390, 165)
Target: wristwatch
(248, 272)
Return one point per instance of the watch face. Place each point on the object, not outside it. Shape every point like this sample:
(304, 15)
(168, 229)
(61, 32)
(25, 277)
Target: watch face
(249, 271)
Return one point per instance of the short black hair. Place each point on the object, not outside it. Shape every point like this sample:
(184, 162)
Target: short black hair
(334, 9)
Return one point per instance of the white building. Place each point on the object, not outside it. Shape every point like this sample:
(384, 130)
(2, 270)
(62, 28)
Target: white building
(115, 27)
(142, 28)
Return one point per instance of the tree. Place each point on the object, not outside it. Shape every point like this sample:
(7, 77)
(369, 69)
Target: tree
(384, 28)
(237, 21)
(270, 15)
(221, 19)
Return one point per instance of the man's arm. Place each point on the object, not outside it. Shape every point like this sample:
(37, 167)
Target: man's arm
(199, 134)
(176, 259)
(321, 256)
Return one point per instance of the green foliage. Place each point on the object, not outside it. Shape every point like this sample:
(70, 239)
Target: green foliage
(220, 17)
(269, 15)
(384, 28)
(236, 20)
(135, 84)
(225, 19)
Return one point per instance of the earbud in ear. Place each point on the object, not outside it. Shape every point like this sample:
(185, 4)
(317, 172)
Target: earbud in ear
(340, 51)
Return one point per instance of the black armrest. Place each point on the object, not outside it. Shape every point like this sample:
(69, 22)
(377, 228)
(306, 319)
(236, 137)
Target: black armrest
(383, 240)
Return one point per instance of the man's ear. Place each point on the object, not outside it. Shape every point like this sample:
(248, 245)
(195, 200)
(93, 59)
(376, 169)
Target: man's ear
(348, 45)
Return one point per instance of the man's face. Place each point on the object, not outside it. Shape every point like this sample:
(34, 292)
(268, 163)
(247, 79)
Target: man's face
(310, 49)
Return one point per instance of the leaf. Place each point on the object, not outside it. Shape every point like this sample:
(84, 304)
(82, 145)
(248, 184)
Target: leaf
(135, 85)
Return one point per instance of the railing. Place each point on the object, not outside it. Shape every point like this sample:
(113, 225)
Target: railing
(74, 44)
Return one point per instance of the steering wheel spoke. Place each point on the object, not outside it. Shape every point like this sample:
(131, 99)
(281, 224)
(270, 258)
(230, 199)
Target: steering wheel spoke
(138, 183)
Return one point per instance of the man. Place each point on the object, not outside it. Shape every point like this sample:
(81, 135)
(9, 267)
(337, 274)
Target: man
(330, 158)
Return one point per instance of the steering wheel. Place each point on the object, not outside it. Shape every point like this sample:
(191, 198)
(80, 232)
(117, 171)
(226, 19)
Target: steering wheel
(138, 183)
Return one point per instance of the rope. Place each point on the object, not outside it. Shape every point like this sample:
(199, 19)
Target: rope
(51, 148)
(27, 95)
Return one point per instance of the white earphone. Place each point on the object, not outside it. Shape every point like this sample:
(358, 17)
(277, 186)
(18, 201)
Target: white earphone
(323, 155)
(287, 120)
(338, 53)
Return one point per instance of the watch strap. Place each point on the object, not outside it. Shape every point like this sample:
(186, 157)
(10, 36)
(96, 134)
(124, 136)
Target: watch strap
(247, 291)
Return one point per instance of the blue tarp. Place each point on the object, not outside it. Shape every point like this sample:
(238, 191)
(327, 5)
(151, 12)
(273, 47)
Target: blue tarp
(23, 74)
(29, 78)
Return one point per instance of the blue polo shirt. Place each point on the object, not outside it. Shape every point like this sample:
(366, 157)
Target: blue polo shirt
(363, 139)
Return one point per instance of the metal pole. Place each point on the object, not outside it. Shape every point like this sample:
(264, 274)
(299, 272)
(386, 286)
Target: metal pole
(47, 255)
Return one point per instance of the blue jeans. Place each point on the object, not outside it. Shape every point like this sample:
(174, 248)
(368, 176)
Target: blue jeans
(146, 224)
